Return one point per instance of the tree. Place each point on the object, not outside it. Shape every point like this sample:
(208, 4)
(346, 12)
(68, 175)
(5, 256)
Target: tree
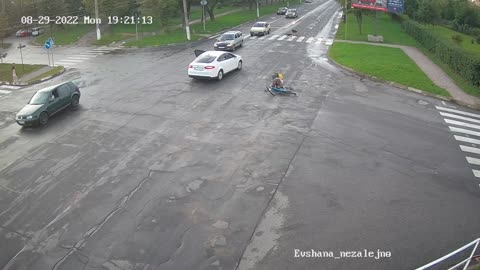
(359, 15)
(74, 7)
(428, 12)
(160, 8)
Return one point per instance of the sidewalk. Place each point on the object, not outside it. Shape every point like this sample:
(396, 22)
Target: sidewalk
(435, 73)
(27, 77)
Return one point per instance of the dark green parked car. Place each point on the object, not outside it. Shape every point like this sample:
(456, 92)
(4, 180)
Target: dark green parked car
(47, 102)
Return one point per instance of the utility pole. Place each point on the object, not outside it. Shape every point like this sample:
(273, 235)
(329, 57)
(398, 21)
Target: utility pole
(346, 19)
(258, 11)
(99, 35)
(185, 17)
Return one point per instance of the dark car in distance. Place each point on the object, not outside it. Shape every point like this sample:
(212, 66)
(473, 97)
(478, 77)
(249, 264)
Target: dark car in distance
(282, 11)
(47, 102)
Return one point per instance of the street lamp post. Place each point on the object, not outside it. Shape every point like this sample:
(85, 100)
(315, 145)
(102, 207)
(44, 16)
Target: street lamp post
(346, 20)
(258, 11)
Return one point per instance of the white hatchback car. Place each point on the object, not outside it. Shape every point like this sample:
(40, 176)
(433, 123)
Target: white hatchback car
(213, 64)
(260, 28)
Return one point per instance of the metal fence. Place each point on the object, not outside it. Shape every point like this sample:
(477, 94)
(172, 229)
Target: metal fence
(460, 265)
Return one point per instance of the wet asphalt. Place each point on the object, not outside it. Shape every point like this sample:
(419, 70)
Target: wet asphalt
(159, 171)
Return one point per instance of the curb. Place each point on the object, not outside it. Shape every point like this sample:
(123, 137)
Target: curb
(37, 81)
(404, 87)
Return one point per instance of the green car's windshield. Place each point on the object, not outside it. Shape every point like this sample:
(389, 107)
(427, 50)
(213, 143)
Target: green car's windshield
(39, 98)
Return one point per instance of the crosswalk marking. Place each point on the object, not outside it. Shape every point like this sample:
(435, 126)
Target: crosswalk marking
(466, 131)
(291, 38)
(457, 111)
(253, 37)
(319, 41)
(458, 123)
(262, 37)
(466, 139)
(12, 87)
(310, 39)
(474, 161)
(78, 58)
(300, 39)
(329, 42)
(469, 149)
(71, 60)
(460, 117)
(282, 37)
(273, 37)
(5, 92)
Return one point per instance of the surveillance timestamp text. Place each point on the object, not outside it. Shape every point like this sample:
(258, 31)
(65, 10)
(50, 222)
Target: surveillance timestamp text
(74, 20)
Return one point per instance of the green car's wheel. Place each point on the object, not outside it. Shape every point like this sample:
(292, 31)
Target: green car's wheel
(43, 119)
(75, 101)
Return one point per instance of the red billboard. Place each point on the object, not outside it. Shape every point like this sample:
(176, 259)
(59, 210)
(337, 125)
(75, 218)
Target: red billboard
(380, 5)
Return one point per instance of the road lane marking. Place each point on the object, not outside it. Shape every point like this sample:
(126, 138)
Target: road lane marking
(466, 139)
(72, 61)
(458, 123)
(329, 42)
(310, 40)
(300, 39)
(5, 92)
(476, 173)
(466, 131)
(253, 37)
(457, 111)
(262, 37)
(246, 36)
(291, 38)
(459, 117)
(474, 161)
(282, 37)
(273, 37)
(12, 87)
(469, 149)
(78, 58)
(319, 41)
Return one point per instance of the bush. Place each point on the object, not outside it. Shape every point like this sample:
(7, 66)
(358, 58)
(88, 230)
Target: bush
(457, 39)
(463, 63)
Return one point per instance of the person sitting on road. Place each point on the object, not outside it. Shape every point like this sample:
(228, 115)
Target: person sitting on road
(277, 80)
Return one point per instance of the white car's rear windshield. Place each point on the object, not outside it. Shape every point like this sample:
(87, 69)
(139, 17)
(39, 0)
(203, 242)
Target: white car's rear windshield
(206, 59)
(259, 25)
(227, 37)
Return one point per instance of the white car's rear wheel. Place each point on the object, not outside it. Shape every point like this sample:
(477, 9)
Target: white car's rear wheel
(240, 63)
(220, 75)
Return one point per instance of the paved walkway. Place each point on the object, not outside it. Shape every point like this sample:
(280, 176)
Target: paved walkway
(435, 73)
(25, 78)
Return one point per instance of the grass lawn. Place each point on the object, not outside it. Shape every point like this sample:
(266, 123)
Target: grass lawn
(67, 35)
(6, 70)
(51, 72)
(220, 23)
(446, 34)
(4, 45)
(390, 64)
(390, 29)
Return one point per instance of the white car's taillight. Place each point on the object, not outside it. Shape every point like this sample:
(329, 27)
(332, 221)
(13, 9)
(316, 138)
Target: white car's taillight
(209, 67)
(190, 66)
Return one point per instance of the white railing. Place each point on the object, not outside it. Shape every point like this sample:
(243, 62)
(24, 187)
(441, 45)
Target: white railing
(465, 262)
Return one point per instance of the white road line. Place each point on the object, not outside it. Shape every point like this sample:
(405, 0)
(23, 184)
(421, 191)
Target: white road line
(78, 58)
(474, 161)
(466, 131)
(469, 149)
(282, 37)
(319, 41)
(459, 117)
(64, 64)
(71, 61)
(300, 39)
(476, 173)
(12, 87)
(5, 92)
(291, 38)
(310, 39)
(466, 139)
(253, 37)
(329, 42)
(458, 123)
(273, 37)
(336, 26)
(457, 111)
(262, 37)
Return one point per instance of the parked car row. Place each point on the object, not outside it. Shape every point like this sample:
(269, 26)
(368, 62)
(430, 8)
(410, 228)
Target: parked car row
(36, 31)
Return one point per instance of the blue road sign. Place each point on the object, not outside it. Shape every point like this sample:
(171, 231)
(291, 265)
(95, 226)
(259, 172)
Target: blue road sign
(49, 43)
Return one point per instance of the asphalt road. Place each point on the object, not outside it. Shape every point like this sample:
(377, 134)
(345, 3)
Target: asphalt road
(159, 171)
